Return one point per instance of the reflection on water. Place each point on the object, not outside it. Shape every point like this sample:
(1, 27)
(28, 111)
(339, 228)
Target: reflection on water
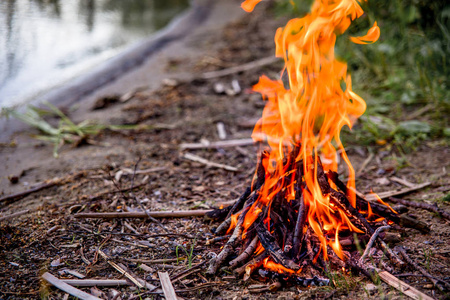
(46, 42)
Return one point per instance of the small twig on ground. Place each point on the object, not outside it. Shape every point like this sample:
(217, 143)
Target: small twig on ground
(371, 241)
(364, 165)
(218, 144)
(188, 272)
(402, 286)
(154, 214)
(140, 203)
(384, 195)
(101, 194)
(96, 282)
(208, 163)
(37, 188)
(423, 271)
(67, 288)
(120, 269)
(19, 213)
(402, 181)
(154, 261)
(241, 68)
(167, 287)
(433, 208)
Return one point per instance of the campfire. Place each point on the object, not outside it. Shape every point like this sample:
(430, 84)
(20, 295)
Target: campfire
(298, 219)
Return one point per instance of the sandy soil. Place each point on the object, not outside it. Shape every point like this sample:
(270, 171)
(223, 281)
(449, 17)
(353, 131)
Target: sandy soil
(48, 238)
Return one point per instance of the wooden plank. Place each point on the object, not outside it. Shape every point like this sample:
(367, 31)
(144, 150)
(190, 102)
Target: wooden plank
(167, 287)
(67, 288)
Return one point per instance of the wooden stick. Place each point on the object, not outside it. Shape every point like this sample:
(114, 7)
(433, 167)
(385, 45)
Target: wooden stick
(364, 165)
(28, 192)
(422, 270)
(433, 208)
(67, 288)
(218, 144)
(167, 287)
(96, 282)
(120, 269)
(372, 240)
(402, 286)
(402, 181)
(154, 214)
(242, 68)
(19, 213)
(208, 163)
(385, 195)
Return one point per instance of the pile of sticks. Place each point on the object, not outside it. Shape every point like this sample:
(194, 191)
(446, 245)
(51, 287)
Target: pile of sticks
(291, 242)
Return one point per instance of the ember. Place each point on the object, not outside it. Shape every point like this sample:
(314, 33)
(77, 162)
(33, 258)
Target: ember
(289, 223)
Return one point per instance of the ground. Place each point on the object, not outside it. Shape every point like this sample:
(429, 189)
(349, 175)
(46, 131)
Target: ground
(95, 178)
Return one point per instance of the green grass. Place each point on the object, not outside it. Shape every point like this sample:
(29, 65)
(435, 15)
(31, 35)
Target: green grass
(66, 132)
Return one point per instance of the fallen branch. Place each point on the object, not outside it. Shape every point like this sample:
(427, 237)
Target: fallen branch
(385, 195)
(429, 207)
(96, 282)
(154, 214)
(422, 270)
(371, 241)
(67, 288)
(167, 287)
(208, 163)
(242, 68)
(19, 213)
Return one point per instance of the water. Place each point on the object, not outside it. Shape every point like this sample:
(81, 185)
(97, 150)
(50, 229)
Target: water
(44, 43)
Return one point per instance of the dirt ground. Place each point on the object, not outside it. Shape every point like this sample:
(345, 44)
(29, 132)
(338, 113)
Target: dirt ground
(95, 178)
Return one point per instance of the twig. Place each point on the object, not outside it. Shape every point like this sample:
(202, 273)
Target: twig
(402, 286)
(120, 269)
(208, 163)
(218, 144)
(433, 208)
(365, 163)
(423, 271)
(140, 203)
(246, 253)
(402, 181)
(154, 214)
(96, 282)
(188, 272)
(67, 288)
(371, 241)
(167, 287)
(242, 68)
(384, 195)
(28, 192)
(19, 213)
(99, 195)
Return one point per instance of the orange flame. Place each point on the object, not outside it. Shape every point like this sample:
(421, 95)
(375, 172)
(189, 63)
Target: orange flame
(249, 5)
(273, 266)
(309, 111)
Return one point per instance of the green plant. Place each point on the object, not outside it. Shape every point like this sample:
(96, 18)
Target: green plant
(189, 254)
(66, 132)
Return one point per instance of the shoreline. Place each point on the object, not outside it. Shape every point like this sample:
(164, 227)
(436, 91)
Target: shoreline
(132, 69)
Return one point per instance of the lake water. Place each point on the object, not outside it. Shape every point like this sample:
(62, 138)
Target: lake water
(44, 43)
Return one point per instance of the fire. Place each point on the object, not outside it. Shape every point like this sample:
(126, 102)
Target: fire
(273, 266)
(307, 113)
